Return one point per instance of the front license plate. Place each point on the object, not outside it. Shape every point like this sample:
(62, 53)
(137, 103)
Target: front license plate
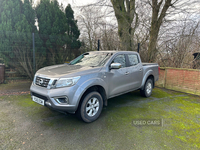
(38, 100)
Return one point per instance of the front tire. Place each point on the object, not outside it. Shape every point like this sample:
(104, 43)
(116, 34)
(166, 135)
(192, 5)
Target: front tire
(91, 107)
(148, 87)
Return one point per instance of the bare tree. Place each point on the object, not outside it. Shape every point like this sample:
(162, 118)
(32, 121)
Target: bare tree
(126, 16)
(177, 50)
(147, 22)
(125, 12)
(95, 26)
(89, 24)
(161, 9)
(109, 38)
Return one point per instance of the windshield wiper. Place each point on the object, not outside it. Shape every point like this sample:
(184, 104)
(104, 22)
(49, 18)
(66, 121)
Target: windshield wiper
(103, 59)
(77, 59)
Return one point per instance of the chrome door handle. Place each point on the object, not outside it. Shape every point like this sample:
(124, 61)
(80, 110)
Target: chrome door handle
(126, 73)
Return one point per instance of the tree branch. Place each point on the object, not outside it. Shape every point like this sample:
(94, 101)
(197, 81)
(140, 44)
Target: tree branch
(164, 10)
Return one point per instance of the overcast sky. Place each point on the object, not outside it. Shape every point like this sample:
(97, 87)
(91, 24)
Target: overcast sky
(75, 2)
(72, 2)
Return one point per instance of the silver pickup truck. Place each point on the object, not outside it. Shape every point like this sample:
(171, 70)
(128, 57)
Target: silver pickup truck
(85, 84)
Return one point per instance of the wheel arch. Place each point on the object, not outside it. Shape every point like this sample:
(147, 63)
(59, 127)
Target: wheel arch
(98, 89)
(150, 76)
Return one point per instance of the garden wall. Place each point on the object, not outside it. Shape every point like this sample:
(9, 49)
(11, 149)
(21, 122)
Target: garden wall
(184, 80)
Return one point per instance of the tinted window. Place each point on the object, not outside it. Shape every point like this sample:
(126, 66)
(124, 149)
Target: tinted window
(120, 59)
(133, 59)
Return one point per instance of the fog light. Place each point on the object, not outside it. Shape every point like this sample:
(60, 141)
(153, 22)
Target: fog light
(62, 100)
(47, 103)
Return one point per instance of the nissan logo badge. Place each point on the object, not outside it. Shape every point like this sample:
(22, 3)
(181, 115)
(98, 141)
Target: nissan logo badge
(41, 81)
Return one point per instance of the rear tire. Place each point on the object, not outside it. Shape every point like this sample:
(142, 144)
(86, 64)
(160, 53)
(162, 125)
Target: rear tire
(148, 87)
(91, 107)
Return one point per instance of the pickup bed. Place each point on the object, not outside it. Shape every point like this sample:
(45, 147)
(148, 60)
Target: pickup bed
(85, 84)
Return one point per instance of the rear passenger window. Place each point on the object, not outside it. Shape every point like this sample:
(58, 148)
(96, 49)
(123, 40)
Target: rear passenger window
(120, 59)
(133, 59)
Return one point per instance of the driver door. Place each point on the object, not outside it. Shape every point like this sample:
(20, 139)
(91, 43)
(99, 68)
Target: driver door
(119, 81)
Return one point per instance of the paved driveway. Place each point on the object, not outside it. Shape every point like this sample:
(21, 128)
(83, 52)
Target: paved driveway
(167, 120)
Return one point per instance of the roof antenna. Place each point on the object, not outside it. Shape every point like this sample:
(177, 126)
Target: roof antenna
(138, 50)
(98, 45)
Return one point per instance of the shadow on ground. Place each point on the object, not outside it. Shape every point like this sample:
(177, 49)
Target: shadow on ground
(27, 125)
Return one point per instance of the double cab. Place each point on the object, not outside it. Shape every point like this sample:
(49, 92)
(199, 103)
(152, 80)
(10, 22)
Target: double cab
(85, 84)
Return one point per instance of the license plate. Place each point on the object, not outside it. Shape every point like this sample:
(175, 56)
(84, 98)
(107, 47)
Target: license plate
(38, 100)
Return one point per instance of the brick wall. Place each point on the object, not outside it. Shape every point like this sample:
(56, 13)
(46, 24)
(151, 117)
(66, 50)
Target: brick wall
(184, 80)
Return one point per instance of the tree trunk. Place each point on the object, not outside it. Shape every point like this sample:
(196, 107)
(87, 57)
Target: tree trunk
(158, 15)
(152, 50)
(125, 14)
(124, 32)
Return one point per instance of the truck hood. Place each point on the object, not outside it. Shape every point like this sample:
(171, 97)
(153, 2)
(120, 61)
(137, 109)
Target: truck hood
(65, 70)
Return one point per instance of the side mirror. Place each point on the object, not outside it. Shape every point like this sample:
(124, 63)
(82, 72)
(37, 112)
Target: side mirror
(115, 66)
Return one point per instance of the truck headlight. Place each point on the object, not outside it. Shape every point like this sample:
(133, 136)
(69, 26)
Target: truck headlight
(64, 82)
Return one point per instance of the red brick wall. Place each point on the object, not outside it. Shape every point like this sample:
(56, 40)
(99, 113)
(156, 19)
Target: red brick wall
(184, 80)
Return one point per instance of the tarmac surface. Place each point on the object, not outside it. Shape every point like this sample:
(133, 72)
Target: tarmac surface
(166, 120)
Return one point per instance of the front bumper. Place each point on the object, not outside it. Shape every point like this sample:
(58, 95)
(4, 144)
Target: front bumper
(48, 96)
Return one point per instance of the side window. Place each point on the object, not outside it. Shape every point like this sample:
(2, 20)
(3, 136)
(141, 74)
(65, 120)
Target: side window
(120, 59)
(133, 59)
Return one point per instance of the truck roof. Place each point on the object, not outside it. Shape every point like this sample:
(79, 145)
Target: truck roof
(112, 51)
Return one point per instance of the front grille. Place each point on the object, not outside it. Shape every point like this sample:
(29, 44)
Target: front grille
(42, 81)
(39, 96)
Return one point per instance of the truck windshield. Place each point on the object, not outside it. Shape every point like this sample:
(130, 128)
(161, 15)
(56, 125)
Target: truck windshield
(91, 59)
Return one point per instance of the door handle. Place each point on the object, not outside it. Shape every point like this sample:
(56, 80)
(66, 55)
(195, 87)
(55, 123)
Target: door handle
(126, 73)
(140, 69)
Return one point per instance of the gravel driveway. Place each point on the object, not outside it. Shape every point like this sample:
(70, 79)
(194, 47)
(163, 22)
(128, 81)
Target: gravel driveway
(27, 125)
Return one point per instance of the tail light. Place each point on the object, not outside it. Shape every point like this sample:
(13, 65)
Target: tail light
(158, 69)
